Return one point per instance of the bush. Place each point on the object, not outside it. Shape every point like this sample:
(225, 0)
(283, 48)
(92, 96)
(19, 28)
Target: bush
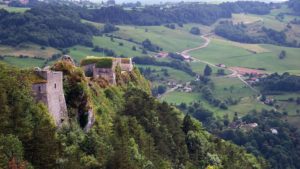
(104, 63)
(195, 31)
(108, 28)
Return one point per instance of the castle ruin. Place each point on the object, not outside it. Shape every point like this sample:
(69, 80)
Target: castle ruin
(49, 90)
(107, 71)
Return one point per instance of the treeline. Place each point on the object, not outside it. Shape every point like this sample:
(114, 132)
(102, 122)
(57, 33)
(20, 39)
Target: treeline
(238, 32)
(280, 147)
(273, 138)
(205, 14)
(284, 82)
(295, 6)
(175, 64)
(259, 8)
(45, 24)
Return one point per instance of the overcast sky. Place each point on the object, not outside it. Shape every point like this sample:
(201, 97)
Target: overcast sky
(158, 1)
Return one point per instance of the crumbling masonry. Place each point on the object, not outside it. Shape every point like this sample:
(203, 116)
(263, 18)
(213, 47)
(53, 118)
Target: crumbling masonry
(50, 92)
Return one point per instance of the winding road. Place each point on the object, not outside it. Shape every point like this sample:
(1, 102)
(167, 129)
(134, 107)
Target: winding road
(234, 73)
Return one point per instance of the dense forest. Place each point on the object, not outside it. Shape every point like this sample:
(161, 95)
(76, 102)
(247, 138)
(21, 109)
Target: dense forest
(259, 8)
(47, 25)
(238, 32)
(175, 63)
(132, 129)
(284, 82)
(206, 14)
(60, 25)
(295, 5)
(264, 133)
(274, 139)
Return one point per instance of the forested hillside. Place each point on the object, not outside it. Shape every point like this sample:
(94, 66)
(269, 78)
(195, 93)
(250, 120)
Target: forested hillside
(60, 25)
(132, 129)
(241, 33)
(295, 5)
(206, 14)
(47, 25)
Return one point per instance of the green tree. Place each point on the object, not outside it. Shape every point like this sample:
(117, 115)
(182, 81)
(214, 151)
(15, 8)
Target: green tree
(207, 70)
(282, 54)
(221, 72)
(10, 147)
(195, 31)
(43, 148)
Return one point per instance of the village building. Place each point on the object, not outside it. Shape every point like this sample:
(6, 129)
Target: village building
(243, 125)
(274, 131)
(162, 54)
(48, 89)
(221, 65)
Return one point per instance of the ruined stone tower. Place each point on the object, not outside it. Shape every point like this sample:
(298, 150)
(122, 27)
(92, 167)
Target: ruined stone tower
(50, 92)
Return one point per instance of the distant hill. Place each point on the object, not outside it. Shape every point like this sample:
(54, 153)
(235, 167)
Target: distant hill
(214, 1)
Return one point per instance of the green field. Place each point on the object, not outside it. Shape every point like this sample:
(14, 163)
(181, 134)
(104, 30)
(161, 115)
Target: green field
(174, 75)
(80, 52)
(220, 51)
(180, 97)
(30, 50)
(284, 104)
(24, 62)
(170, 40)
(13, 9)
(198, 67)
(293, 120)
(125, 50)
(231, 87)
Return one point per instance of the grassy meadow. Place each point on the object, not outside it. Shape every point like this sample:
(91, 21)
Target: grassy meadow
(177, 97)
(30, 50)
(220, 51)
(24, 62)
(174, 75)
(13, 9)
(170, 40)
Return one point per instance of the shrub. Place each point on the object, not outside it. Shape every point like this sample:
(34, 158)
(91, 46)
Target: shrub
(104, 63)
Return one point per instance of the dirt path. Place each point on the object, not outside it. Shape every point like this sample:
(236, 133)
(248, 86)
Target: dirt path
(168, 91)
(206, 43)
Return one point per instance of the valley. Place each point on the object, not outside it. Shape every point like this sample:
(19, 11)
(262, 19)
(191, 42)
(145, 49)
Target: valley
(208, 49)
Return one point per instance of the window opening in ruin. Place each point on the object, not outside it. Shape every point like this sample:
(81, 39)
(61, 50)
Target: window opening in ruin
(54, 85)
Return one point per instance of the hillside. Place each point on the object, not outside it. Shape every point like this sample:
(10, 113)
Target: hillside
(132, 129)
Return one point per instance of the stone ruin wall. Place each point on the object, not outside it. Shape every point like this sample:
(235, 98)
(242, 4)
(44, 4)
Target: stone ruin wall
(52, 95)
(106, 73)
(124, 66)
